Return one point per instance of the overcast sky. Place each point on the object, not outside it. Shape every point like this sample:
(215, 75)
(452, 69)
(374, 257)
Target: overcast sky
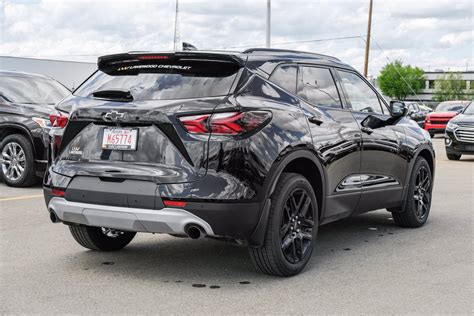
(430, 34)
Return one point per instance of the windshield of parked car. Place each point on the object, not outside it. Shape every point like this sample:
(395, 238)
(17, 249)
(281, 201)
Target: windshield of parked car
(449, 107)
(469, 109)
(162, 83)
(31, 90)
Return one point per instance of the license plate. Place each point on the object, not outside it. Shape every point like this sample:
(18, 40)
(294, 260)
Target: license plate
(120, 139)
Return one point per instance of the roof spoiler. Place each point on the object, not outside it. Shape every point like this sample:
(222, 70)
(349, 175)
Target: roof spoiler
(108, 61)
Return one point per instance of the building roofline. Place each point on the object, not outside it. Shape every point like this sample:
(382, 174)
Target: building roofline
(44, 59)
(447, 72)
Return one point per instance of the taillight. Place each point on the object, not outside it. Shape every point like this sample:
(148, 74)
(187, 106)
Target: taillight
(229, 123)
(58, 119)
(58, 192)
(173, 203)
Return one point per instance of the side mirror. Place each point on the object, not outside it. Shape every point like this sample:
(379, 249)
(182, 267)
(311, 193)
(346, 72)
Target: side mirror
(398, 108)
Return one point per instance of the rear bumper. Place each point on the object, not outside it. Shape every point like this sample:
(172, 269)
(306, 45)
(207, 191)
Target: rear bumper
(166, 220)
(242, 221)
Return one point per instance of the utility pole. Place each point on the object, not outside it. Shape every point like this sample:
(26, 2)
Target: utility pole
(176, 29)
(367, 41)
(267, 42)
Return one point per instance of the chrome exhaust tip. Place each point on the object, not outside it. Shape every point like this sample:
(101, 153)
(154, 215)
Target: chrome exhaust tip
(53, 217)
(195, 231)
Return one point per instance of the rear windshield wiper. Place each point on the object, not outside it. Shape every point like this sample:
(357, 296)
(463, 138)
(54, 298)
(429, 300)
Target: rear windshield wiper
(115, 95)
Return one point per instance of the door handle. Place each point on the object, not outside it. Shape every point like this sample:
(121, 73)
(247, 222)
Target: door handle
(367, 130)
(315, 120)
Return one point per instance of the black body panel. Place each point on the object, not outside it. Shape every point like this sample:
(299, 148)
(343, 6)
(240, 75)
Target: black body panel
(226, 179)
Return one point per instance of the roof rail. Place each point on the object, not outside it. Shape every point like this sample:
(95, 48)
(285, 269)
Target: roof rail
(275, 51)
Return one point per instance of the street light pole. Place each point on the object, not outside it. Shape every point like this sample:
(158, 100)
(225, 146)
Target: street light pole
(367, 41)
(267, 42)
(176, 29)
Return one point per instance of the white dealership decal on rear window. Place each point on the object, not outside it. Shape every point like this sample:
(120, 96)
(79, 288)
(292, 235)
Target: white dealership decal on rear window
(153, 66)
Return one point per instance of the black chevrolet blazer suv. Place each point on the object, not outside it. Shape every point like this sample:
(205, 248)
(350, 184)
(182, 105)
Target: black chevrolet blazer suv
(259, 147)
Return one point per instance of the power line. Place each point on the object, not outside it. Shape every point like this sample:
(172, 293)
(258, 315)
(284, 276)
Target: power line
(401, 76)
(301, 42)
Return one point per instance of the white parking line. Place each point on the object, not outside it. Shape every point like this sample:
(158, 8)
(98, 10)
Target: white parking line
(15, 198)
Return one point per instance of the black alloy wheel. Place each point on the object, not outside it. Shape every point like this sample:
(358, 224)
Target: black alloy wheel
(418, 204)
(291, 230)
(422, 193)
(296, 226)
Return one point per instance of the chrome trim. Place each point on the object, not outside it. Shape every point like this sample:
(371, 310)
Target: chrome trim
(464, 132)
(167, 220)
(360, 181)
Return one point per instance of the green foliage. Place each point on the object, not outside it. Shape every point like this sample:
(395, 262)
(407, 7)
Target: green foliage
(398, 81)
(450, 87)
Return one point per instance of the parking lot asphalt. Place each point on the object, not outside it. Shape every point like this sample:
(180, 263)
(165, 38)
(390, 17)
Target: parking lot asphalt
(363, 264)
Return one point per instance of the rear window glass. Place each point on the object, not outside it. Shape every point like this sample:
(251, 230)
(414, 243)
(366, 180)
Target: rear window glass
(151, 81)
(449, 107)
(31, 90)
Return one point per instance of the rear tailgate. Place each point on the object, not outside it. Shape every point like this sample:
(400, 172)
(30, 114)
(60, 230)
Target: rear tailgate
(163, 87)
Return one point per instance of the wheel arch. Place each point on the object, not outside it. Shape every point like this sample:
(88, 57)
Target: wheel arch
(10, 129)
(306, 164)
(297, 161)
(429, 157)
(426, 152)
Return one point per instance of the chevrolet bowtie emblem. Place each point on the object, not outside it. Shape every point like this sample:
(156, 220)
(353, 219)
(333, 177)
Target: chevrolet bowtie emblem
(113, 116)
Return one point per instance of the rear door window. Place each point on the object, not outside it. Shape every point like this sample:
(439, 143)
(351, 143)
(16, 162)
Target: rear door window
(285, 77)
(318, 87)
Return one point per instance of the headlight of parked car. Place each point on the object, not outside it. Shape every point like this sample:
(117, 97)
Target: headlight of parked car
(451, 125)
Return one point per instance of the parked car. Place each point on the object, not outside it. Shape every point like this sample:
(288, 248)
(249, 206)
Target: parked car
(425, 109)
(435, 122)
(26, 100)
(459, 136)
(416, 113)
(260, 147)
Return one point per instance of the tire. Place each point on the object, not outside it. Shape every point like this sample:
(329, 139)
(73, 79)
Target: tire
(95, 238)
(432, 135)
(280, 258)
(19, 151)
(453, 156)
(413, 215)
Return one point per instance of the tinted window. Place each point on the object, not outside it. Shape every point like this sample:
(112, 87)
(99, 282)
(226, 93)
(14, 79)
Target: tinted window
(173, 79)
(318, 87)
(470, 109)
(31, 90)
(361, 97)
(413, 107)
(285, 77)
(449, 107)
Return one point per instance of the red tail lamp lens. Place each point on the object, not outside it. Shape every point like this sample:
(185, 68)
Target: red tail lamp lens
(58, 192)
(58, 119)
(196, 124)
(174, 203)
(229, 123)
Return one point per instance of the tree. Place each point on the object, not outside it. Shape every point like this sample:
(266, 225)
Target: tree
(450, 87)
(399, 81)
